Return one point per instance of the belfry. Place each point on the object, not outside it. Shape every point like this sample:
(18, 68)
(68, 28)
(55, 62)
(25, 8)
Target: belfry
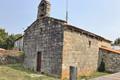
(44, 9)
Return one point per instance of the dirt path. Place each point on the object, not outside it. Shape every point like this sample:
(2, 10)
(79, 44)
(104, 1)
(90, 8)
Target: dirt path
(115, 76)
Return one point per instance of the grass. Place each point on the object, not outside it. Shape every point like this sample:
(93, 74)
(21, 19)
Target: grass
(98, 74)
(94, 75)
(17, 72)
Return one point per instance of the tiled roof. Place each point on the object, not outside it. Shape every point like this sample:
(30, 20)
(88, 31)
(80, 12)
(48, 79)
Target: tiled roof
(110, 49)
(1, 49)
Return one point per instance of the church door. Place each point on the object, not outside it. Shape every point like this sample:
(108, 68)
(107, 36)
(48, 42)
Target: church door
(39, 61)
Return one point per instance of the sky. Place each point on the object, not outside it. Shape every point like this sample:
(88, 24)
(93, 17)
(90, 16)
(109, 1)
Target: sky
(101, 17)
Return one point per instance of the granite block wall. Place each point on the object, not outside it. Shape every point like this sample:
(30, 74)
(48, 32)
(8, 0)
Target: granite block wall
(110, 59)
(45, 36)
(81, 51)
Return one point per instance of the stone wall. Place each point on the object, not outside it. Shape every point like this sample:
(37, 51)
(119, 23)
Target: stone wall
(81, 51)
(105, 43)
(11, 60)
(110, 59)
(45, 36)
(11, 57)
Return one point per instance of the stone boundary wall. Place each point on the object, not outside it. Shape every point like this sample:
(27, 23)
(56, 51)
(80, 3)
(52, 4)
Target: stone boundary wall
(11, 57)
(110, 59)
(10, 60)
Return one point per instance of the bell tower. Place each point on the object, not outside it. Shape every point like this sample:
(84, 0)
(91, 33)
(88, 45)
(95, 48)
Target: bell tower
(44, 9)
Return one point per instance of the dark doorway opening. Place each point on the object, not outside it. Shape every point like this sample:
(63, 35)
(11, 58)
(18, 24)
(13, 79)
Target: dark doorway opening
(39, 55)
(101, 68)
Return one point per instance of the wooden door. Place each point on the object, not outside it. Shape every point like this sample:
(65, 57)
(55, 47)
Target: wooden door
(39, 61)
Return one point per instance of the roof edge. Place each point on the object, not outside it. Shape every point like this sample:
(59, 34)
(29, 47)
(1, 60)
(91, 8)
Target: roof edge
(62, 21)
(88, 33)
(110, 49)
(78, 29)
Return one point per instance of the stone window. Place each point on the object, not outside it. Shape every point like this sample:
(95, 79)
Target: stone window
(41, 30)
(90, 44)
(42, 10)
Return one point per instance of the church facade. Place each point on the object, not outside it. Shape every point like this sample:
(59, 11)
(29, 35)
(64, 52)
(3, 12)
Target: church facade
(51, 46)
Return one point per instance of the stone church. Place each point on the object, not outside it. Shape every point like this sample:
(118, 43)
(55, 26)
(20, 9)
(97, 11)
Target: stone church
(52, 45)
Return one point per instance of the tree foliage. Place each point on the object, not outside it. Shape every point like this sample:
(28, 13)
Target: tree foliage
(6, 40)
(117, 41)
(11, 40)
(3, 38)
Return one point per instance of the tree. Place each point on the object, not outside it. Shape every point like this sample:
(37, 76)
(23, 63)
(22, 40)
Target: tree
(17, 36)
(11, 40)
(117, 41)
(7, 41)
(3, 38)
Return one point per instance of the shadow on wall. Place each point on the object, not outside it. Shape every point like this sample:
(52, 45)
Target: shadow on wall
(101, 67)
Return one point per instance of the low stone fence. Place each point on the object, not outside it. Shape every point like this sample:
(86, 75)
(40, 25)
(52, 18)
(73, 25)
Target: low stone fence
(11, 57)
(10, 60)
